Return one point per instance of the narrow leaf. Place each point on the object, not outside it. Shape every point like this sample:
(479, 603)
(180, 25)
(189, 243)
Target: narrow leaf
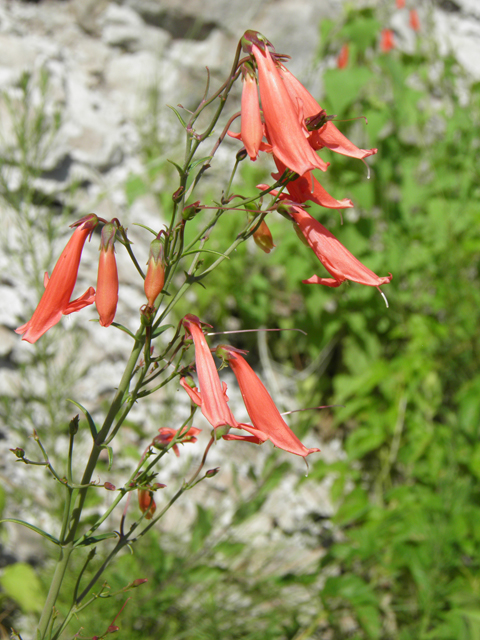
(91, 423)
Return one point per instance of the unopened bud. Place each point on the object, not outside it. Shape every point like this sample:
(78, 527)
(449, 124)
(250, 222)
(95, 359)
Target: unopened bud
(112, 628)
(241, 155)
(109, 486)
(73, 426)
(20, 453)
(146, 503)
(177, 195)
(191, 211)
(159, 485)
(106, 296)
(138, 582)
(155, 278)
(263, 237)
(212, 472)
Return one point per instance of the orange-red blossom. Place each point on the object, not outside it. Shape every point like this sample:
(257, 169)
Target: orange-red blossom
(336, 258)
(55, 300)
(261, 408)
(106, 298)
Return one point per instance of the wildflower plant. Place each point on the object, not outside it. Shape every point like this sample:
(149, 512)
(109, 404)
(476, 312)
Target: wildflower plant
(278, 118)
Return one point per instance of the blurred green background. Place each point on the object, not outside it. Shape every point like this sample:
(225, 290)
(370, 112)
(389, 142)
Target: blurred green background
(402, 550)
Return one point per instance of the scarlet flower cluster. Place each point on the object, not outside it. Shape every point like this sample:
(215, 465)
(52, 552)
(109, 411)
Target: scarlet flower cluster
(267, 423)
(285, 120)
(55, 300)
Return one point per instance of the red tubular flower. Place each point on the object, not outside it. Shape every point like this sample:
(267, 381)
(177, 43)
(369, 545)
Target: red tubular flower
(107, 280)
(212, 397)
(414, 20)
(328, 135)
(284, 120)
(261, 408)
(55, 300)
(342, 59)
(167, 434)
(387, 42)
(155, 278)
(336, 259)
(301, 190)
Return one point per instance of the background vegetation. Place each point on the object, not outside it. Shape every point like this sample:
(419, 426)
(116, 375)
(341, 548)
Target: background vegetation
(402, 551)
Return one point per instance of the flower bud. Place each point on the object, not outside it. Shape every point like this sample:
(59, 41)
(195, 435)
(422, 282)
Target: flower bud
(109, 486)
(212, 472)
(191, 211)
(155, 278)
(106, 296)
(263, 237)
(146, 503)
(19, 452)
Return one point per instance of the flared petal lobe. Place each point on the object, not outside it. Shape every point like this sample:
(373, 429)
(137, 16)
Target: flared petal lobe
(328, 135)
(261, 408)
(55, 300)
(284, 119)
(307, 188)
(336, 258)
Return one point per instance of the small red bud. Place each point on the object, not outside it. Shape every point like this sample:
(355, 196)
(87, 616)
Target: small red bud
(155, 278)
(146, 503)
(106, 296)
(212, 472)
(109, 486)
(138, 582)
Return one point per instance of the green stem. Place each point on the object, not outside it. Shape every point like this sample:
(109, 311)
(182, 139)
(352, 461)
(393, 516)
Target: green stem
(67, 549)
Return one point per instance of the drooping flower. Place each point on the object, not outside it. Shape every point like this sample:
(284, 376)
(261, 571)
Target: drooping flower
(155, 277)
(106, 298)
(387, 42)
(307, 188)
(55, 300)
(167, 434)
(284, 119)
(414, 20)
(342, 59)
(261, 408)
(328, 135)
(212, 397)
(336, 258)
